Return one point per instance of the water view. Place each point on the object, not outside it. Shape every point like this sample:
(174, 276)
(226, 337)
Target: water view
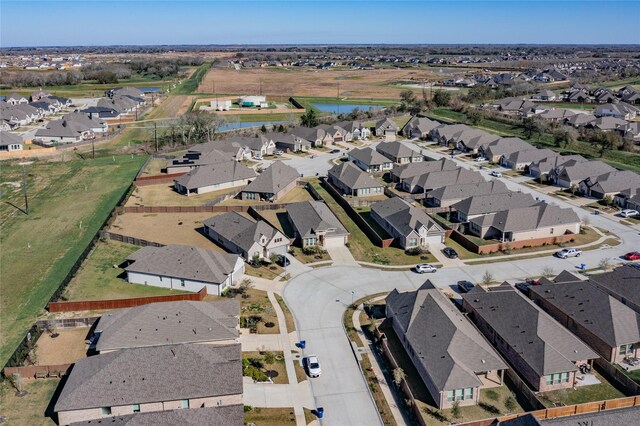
(246, 124)
(342, 108)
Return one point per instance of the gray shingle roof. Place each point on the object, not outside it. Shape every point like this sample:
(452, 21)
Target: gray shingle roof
(7, 138)
(415, 169)
(545, 165)
(465, 190)
(449, 347)
(152, 374)
(216, 173)
(506, 146)
(272, 180)
(601, 314)
(491, 203)
(614, 181)
(166, 323)
(424, 125)
(540, 341)
(240, 230)
(404, 217)
(227, 415)
(623, 281)
(368, 156)
(437, 179)
(578, 170)
(184, 262)
(352, 176)
(540, 215)
(396, 150)
(530, 155)
(310, 217)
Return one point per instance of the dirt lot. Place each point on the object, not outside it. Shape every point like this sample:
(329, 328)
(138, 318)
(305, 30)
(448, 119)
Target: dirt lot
(164, 195)
(166, 228)
(296, 195)
(68, 347)
(322, 83)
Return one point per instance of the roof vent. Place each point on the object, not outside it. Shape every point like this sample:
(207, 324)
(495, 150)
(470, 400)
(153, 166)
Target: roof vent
(483, 361)
(173, 353)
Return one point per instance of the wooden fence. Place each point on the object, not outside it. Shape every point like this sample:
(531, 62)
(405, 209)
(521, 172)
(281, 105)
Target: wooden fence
(157, 179)
(38, 371)
(64, 323)
(496, 247)
(612, 374)
(198, 209)
(130, 240)
(91, 305)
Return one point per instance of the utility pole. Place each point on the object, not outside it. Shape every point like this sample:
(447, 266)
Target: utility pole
(155, 133)
(93, 148)
(24, 186)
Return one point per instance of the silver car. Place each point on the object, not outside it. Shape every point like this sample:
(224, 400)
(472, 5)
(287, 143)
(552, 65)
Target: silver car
(313, 366)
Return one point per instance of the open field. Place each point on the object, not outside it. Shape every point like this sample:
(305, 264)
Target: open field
(98, 278)
(164, 195)
(166, 228)
(34, 408)
(68, 203)
(68, 347)
(282, 82)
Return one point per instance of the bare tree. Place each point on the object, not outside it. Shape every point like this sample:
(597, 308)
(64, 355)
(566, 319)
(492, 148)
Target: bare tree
(398, 376)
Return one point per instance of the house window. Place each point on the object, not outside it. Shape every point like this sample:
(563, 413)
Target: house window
(277, 240)
(450, 397)
(551, 231)
(626, 349)
(564, 377)
(184, 403)
(106, 411)
(468, 393)
(413, 242)
(549, 379)
(160, 279)
(181, 283)
(136, 408)
(459, 395)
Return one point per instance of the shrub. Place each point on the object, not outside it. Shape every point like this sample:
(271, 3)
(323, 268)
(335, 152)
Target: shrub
(247, 408)
(492, 395)
(414, 251)
(255, 374)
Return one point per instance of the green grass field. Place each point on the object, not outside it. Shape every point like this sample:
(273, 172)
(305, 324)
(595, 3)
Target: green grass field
(190, 85)
(68, 203)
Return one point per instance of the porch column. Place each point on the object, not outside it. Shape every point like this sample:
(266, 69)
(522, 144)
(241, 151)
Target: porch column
(501, 377)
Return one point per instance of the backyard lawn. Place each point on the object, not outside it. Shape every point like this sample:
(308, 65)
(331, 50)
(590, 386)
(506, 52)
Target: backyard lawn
(582, 394)
(99, 277)
(164, 195)
(34, 408)
(68, 203)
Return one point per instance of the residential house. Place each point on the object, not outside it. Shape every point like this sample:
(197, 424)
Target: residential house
(214, 177)
(580, 120)
(337, 133)
(465, 139)
(229, 415)
(419, 127)
(448, 195)
(620, 110)
(609, 184)
(539, 349)
(64, 131)
(475, 143)
(162, 323)
(520, 160)
(607, 124)
(631, 131)
(272, 184)
(15, 99)
(556, 115)
(95, 124)
(124, 91)
(406, 171)
(39, 94)
(370, 160)
(478, 205)
(386, 128)
(289, 142)
(104, 113)
(314, 135)
(444, 133)
(355, 129)
(410, 226)
(10, 142)
(628, 198)
(516, 106)
(151, 379)
(351, 180)
(572, 172)
(432, 180)
(579, 96)
(545, 95)
(541, 168)
(245, 236)
(609, 327)
(452, 358)
(623, 283)
(200, 155)
(399, 153)
(503, 146)
(540, 220)
(314, 224)
(184, 268)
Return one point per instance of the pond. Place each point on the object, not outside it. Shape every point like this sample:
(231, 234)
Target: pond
(245, 125)
(149, 89)
(343, 108)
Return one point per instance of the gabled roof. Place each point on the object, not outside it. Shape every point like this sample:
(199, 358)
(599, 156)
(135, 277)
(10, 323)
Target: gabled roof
(404, 217)
(505, 146)
(272, 180)
(539, 215)
(63, 128)
(623, 281)
(415, 169)
(578, 170)
(185, 262)
(7, 138)
(156, 324)
(465, 190)
(491, 203)
(152, 374)
(241, 230)
(601, 314)
(579, 120)
(447, 345)
(386, 123)
(352, 176)
(225, 415)
(396, 150)
(540, 341)
(528, 156)
(215, 173)
(614, 181)
(437, 179)
(424, 125)
(368, 156)
(311, 217)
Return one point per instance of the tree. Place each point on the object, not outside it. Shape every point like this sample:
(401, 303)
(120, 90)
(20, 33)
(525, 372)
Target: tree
(273, 257)
(604, 264)
(441, 98)
(487, 278)
(605, 141)
(398, 376)
(16, 381)
(564, 137)
(548, 272)
(407, 99)
(263, 129)
(269, 357)
(510, 404)
(309, 118)
(255, 259)
(474, 116)
(455, 410)
(245, 286)
(531, 126)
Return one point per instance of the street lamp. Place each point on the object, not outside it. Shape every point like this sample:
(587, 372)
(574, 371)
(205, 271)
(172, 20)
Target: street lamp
(24, 185)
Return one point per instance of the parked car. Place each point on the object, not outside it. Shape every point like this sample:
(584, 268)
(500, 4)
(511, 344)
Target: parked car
(257, 157)
(480, 160)
(450, 253)
(629, 213)
(279, 152)
(523, 287)
(634, 255)
(495, 173)
(464, 286)
(335, 151)
(313, 366)
(568, 252)
(284, 261)
(425, 267)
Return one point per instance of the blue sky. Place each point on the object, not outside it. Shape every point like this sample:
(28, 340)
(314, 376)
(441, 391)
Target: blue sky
(94, 22)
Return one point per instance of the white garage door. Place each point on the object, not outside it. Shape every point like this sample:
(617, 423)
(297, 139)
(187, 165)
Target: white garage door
(434, 239)
(334, 241)
(279, 250)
